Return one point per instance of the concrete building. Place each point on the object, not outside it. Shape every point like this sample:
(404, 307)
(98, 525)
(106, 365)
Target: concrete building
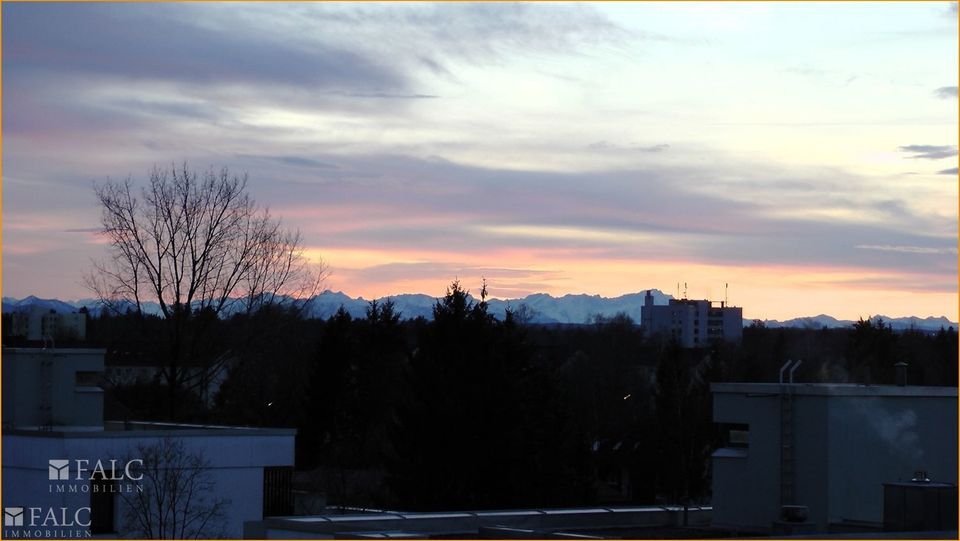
(37, 323)
(692, 323)
(50, 389)
(54, 439)
(829, 448)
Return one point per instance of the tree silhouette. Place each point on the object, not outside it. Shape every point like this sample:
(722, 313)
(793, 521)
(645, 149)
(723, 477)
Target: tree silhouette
(871, 352)
(460, 442)
(179, 498)
(199, 246)
(684, 424)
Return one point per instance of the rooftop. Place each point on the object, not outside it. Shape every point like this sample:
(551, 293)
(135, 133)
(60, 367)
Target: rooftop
(130, 429)
(55, 351)
(833, 389)
(595, 522)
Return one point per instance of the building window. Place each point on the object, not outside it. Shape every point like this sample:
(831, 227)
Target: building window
(88, 379)
(277, 491)
(735, 435)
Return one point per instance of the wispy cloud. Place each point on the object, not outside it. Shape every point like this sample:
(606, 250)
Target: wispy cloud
(909, 249)
(950, 171)
(385, 95)
(608, 146)
(299, 161)
(474, 32)
(946, 92)
(658, 213)
(390, 272)
(175, 48)
(930, 152)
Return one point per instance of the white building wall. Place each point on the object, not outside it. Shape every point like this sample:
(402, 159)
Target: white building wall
(236, 464)
(874, 440)
(25, 387)
(849, 440)
(812, 456)
(746, 485)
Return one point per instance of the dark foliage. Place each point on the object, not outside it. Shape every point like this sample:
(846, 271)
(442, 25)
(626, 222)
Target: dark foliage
(466, 411)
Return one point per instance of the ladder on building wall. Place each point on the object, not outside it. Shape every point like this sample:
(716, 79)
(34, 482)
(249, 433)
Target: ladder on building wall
(786, 445)
(787, 439)
(46, 393)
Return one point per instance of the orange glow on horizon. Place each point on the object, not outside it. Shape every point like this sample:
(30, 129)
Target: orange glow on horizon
(764, 292)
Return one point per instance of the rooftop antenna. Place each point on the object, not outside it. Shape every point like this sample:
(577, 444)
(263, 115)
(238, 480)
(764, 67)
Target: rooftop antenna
(726, 294)
(678, 290)
(684, 291)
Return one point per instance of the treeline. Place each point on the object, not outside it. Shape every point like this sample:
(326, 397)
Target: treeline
(466, 411)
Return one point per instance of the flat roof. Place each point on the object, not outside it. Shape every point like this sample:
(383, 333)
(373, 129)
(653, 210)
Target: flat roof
(835, 389)
(54, 351)
(138, 429)
(536, 523)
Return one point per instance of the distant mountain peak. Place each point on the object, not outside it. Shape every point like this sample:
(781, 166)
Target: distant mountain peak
(571, 308)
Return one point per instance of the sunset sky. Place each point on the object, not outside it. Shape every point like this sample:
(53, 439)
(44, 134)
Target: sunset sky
(806, 154)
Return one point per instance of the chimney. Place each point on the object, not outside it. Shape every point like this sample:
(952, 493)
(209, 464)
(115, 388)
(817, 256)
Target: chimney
(901, 373)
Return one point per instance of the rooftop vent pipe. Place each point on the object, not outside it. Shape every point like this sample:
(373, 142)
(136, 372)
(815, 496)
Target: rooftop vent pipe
(901, 373)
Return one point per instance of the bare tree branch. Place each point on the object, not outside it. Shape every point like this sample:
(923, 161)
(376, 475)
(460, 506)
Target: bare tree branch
(179, 499)
(196, 243)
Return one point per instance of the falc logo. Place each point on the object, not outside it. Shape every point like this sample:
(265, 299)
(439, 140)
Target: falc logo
(45, 517)
(84, 470)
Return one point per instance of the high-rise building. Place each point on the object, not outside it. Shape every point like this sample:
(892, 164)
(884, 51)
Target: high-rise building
(692, 323)
(38, 323)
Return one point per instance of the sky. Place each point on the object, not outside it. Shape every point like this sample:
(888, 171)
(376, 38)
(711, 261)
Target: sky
(803, 153)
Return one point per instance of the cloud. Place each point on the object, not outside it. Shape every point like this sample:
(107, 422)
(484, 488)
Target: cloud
(658, 213)
(385, 95)
(951, 171)
(608, 146)
(299, 161)
(432, 35)
(930, 152)
(365, 126)
(909, 249)
(160, 44)
(390, 272)
(915, 283)
(206, 71)
(455, 215)
(946, 92)
(130, 66)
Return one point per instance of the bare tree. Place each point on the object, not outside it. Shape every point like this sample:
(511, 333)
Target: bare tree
(200, 247)
(178, 500)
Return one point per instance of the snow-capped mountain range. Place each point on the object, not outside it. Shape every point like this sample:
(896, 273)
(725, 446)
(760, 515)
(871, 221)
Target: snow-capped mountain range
(540, 308)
